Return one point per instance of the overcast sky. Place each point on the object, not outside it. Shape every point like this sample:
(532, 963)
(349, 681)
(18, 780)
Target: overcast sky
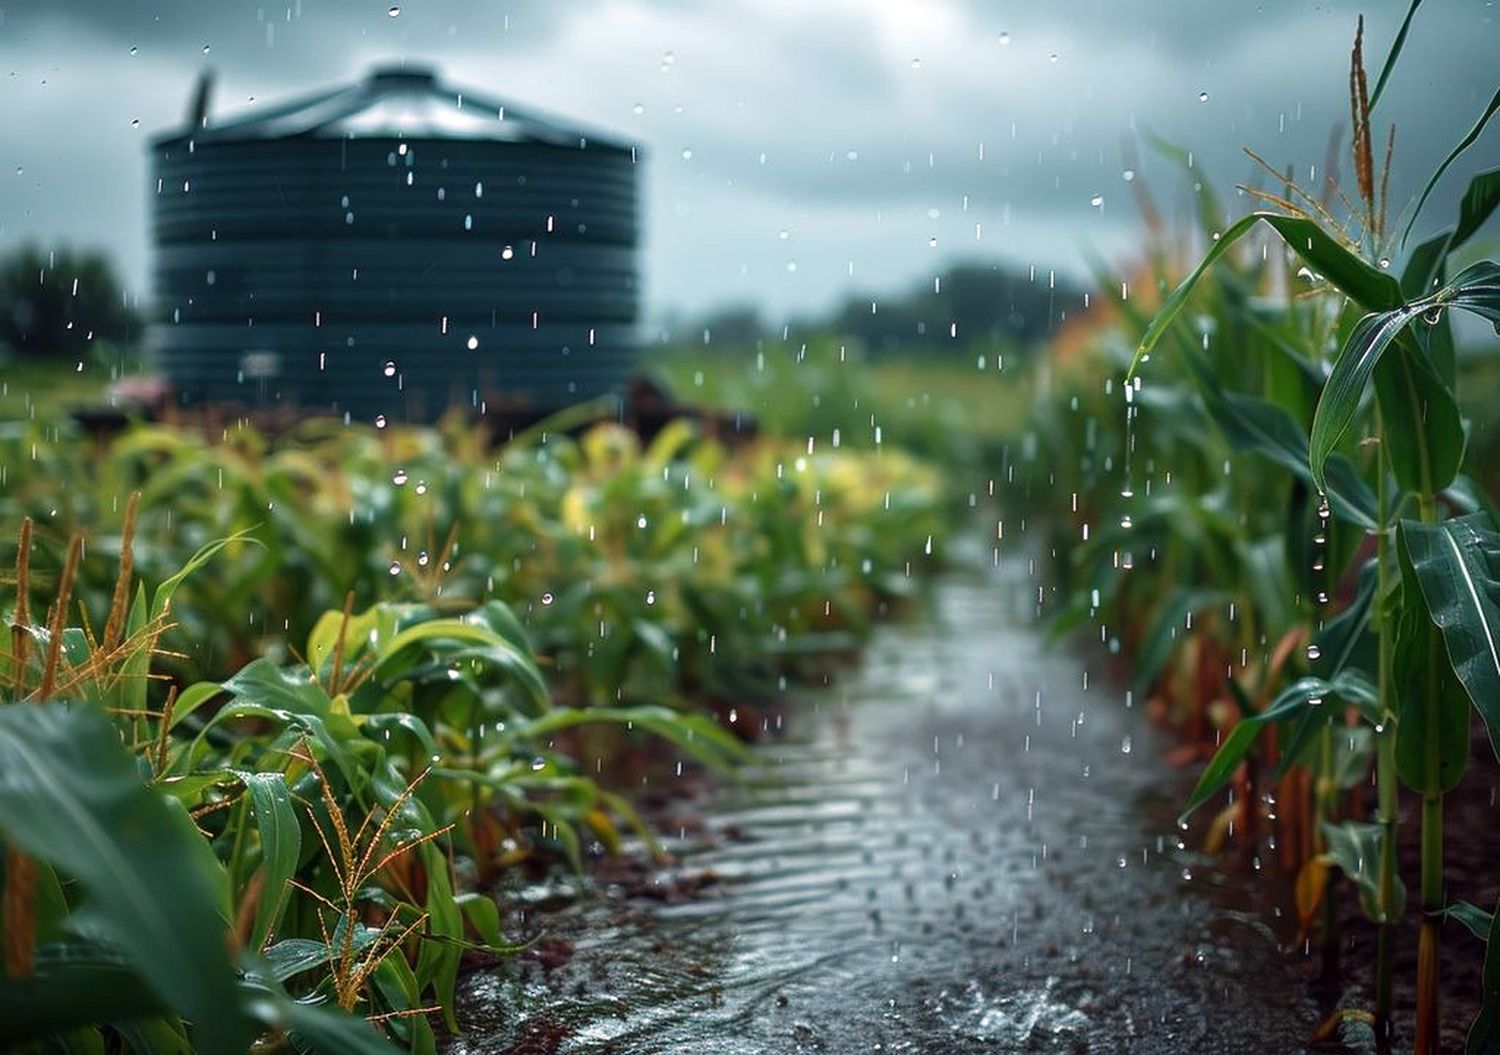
(798, 148)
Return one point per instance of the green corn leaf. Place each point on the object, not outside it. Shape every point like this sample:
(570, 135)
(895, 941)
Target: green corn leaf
(1349, 685)
(291, 956)
(158, 1036)
(408, 723)
(1424, 429)
(1436, 342)
(501, 618)
(1484, 1034)
(1355, 849)
(280, 847)
(1476, 289)
(1457, 563)
(319, 1029)
(1354, 751)
(70, 795)
(1463, 144)
(397, 985)
(292, 689)
(1295, 747)
(168, 586)
(1343, 395)
(324, 636)
(1221, 767)
(1424, 269)
(73, 984)
(1467, 496)
(1425, 432)
(1474, 919)
(190, 699)
(1393, 54)
(285, 959)
(1302, 697)
(49, 906)
(337, 737)
(1432, 706)
(1369, 287)
(696, 734)
(1479, 203)
(412, 646)
(437, 962)
(484, 916)
(130, 694)
(1259, 426)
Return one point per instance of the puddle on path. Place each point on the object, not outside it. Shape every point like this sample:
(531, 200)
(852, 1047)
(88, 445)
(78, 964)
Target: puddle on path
(957, 848)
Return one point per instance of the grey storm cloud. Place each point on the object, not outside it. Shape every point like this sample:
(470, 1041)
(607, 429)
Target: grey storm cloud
(796, 149)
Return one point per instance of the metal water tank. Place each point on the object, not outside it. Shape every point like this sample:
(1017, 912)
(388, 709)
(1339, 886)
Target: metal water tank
(394, 248)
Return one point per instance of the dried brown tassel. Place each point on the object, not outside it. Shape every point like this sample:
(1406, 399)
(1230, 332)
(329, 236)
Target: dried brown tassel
(59, 618)
(20, 914)
(1385, 183)
(119, 604)
(20, 637)
(1359, 104)
(163, 737)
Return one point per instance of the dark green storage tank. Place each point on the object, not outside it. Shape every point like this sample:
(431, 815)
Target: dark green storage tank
(392, 249)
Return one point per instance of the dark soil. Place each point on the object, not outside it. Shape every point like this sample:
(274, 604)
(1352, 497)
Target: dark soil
(1471, 863)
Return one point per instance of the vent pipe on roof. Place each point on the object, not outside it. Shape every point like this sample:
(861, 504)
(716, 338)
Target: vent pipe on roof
(202, 98)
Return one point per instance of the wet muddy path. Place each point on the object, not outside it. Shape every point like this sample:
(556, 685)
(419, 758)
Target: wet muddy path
(965, 844)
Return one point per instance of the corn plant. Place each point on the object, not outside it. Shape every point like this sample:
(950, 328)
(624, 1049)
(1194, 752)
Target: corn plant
(1431, 591)
(676, 570)
(272, 856)
(115, 908)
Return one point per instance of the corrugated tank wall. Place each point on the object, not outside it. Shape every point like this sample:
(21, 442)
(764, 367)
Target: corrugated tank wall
(345, 268)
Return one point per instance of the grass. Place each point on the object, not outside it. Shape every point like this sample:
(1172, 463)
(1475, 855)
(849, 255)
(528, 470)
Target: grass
(44, 391)
(964, 412)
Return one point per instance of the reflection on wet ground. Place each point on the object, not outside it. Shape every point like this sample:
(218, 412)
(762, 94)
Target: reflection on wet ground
(964, 845)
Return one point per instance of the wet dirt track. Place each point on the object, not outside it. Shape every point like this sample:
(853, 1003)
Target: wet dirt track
(964, 845)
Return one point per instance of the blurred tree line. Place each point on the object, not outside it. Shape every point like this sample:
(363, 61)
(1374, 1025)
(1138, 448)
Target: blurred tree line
(61, 304)
(985, 302)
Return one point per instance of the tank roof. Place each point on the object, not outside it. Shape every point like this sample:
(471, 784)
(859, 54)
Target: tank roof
(401, 102)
